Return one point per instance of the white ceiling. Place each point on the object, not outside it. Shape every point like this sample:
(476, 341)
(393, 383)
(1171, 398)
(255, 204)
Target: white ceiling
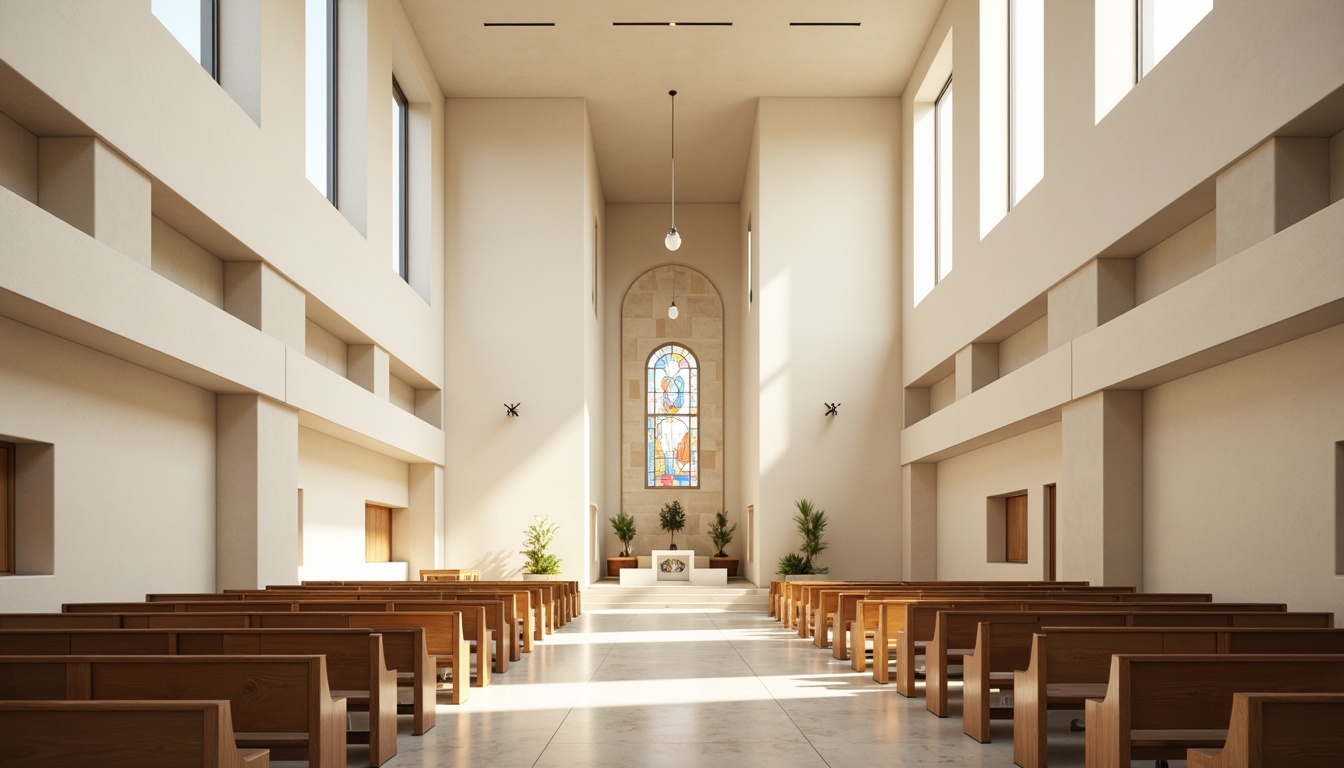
(625, 72)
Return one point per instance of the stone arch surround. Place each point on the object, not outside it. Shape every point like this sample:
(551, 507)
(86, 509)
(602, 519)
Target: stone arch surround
(645, 326)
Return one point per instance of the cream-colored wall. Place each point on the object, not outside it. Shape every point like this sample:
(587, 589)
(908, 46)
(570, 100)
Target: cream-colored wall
(1028, 463)
(18, 159)
(711, 245)
(829, 329)
(257, 248)
(134, 472)
(337, 480)
(596, 387)
(749, 268)
(176, 257)
(1239, 486)
(517, 297)
(1171, 134)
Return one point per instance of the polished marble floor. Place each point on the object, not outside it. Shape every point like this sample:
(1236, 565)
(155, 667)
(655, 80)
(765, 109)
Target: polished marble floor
(690, 689)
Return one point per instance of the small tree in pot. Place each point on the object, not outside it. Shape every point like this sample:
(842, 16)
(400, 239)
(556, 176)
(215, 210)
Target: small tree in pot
(624, 526)
(811, 522)
(538, 537)
(672, 518)
(722, 535)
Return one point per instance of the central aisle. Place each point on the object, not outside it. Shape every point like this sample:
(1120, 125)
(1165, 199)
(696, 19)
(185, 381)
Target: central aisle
(693, 689)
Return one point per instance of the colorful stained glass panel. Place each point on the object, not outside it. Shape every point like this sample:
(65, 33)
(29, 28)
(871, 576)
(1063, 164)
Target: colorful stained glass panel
(673, 410)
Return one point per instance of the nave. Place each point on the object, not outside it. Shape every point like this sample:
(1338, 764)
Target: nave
(692, 689)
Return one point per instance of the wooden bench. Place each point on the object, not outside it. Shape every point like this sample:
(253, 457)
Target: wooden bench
(279, 703)
(356, 667)
(479, 621)
(916, 621)
(1279, 730)
(122, 734)
(1068, 665)
(1158, 707)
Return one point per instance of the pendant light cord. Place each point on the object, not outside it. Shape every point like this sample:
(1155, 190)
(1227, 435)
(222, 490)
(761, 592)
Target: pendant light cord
(673, 94)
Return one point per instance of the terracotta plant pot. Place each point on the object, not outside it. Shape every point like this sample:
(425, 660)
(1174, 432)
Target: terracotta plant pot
(615, 564)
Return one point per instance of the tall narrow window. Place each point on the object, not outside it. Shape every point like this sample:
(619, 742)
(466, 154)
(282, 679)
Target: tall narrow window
(673, 412)
(320, 95)
(195, 24)
(750, 296)
(7, 482)
(1026, 97)
(1162, 24)
(400, 169)
(942, 182)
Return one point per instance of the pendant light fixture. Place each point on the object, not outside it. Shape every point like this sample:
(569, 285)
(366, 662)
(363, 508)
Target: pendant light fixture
(673, 239)
(672, 311)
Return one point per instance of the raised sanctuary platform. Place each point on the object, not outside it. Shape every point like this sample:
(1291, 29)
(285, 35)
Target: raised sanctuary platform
(671, 566)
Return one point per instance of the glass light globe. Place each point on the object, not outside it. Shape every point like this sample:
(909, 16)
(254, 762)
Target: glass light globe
(673, 239)
(672, 311)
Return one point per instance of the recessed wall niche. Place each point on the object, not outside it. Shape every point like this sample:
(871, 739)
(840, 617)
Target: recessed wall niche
(645, 326)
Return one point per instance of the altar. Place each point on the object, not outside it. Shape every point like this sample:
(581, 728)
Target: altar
(673, 566)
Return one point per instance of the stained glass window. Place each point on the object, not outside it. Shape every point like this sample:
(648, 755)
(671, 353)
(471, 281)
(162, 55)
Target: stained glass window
(673, 410)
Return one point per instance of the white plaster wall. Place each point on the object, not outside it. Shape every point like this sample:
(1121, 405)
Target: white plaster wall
(1028, 463)
(337, 480)
(134, 472)
(749, 267)
(1239, 477)
(829, 329)
(517, 297)
(18, 159)
(596, 385)
(1171, 133)
(1176, 259)
(278, 216)
(176, 257)
(1024, 346)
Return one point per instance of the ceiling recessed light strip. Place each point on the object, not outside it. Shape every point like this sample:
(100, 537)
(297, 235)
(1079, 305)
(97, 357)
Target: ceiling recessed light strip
(671, 23)
(520, 23)
(824, 23)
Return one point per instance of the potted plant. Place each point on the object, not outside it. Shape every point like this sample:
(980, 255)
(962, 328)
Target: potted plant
(541, 564)
(722, 535)
(624, 526)
(811, 522)
(672, 518)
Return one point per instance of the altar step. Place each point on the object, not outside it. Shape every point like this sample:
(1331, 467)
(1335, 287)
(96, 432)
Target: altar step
(738, 595)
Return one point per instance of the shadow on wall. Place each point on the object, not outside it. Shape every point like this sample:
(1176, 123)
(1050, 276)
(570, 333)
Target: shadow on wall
(499, 564)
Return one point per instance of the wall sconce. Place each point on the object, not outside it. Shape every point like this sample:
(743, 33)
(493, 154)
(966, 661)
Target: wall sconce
(511, 410)
(832, 409)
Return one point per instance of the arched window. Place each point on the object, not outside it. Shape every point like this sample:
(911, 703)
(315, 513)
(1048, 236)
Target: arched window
(673, 411)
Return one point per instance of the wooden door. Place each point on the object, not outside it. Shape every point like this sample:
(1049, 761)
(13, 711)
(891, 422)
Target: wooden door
(377, 534)
(1015, 533)
(1051, 532)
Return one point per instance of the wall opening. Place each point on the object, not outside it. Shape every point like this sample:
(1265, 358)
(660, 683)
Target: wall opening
(1006, 528)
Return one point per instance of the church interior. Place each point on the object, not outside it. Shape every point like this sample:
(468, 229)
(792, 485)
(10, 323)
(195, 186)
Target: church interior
(347, 290)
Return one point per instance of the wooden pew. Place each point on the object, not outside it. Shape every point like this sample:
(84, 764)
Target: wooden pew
(1068, 665)
(1279, 730)
(280, 703)
(911, 624)
(1158, 707)
(122, 734)
(404, 654)
(482, 621)
(957, 638)
(546, 597)
(524, 604)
